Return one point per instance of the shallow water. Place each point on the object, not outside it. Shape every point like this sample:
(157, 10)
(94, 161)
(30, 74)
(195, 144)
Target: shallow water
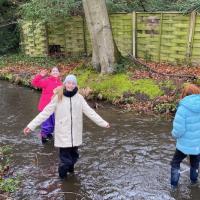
(131, 160)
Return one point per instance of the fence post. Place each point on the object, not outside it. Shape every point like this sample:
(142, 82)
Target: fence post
(84, 36)
(33, 30)
(160, 36)
(134, 36)
(21, 35)
(191, 36)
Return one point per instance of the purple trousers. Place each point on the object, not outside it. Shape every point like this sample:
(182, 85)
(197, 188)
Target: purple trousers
(47, 127)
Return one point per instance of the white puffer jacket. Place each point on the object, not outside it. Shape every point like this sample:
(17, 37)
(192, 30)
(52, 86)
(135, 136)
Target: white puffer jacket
(68, 119)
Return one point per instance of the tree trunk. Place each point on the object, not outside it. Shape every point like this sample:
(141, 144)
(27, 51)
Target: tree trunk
(104, 51)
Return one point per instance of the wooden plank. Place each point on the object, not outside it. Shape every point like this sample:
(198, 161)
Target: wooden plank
(191, 36)
(134, 34)
(160, 36)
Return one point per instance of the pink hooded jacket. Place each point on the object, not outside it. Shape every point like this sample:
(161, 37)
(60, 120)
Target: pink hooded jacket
(47, 84)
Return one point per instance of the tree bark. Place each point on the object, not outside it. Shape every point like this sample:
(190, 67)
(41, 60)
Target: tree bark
(104, 51)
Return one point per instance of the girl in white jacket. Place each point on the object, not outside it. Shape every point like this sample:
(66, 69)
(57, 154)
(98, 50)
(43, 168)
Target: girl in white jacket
(68, 106)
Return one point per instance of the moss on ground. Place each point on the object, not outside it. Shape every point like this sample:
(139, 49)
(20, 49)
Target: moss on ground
(148, 87)
(112, 87)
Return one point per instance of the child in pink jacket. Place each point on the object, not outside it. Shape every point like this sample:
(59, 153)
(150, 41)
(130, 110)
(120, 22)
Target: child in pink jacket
(47, 84)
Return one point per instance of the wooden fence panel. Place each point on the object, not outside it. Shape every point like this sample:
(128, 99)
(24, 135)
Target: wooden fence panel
(160, 37)
(56, 34)
(88, 42)
(174, 37)
(74, 36)
(195, 58)
(34, 39)
(122, 32)
(147, 35)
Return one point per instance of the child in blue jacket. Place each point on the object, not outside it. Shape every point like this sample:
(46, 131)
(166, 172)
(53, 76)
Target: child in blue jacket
(186, 131)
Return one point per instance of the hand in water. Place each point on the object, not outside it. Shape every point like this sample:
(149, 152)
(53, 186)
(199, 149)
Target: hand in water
(27, 131)
(108, 125)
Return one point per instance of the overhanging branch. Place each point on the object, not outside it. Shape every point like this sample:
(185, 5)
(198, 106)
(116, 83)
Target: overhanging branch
(4, 25)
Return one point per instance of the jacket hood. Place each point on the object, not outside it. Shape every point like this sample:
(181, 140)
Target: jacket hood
(191, 102)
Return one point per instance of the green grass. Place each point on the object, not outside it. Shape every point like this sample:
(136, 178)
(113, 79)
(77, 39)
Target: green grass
(112, 87)
(168, 84)
(148, 87)
(9, 184)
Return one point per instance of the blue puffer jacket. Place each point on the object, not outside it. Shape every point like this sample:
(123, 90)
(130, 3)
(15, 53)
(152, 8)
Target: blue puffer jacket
(186, 125)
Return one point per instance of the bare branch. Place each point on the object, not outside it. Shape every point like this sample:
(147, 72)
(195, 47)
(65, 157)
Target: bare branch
(1, 26)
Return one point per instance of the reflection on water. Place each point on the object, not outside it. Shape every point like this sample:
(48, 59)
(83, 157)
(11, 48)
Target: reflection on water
(131, 160)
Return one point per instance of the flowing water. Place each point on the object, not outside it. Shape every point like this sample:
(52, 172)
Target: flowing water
(129, 161)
